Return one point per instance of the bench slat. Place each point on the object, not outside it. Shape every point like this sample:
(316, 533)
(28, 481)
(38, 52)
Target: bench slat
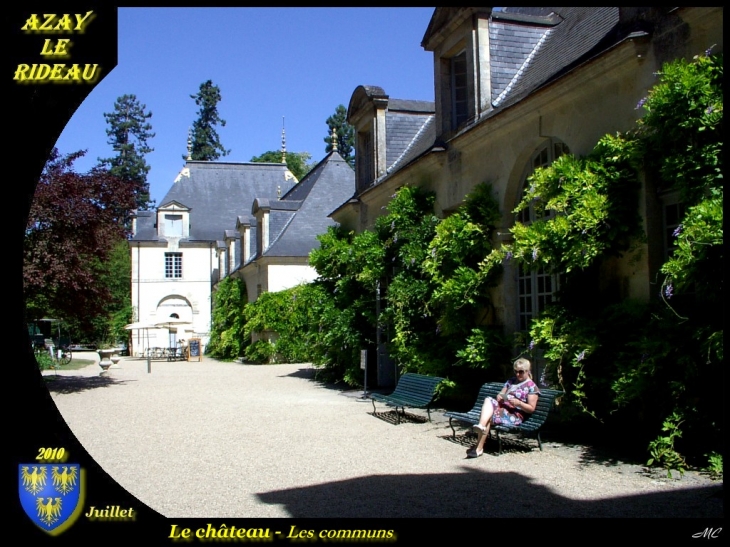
(413, 390)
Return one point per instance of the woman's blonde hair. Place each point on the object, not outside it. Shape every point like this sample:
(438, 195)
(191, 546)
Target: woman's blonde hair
(523, 364)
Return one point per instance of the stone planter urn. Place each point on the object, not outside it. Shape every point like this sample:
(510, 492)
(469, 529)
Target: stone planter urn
(105, 356)
(115, 360)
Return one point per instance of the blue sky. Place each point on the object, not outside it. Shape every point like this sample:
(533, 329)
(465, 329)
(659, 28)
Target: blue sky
(296, 63)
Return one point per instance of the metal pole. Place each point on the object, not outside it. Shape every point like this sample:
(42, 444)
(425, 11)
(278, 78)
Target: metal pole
(378, 334)
(364, 365)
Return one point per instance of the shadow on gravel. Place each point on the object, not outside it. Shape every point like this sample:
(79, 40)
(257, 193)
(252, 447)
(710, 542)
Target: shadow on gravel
(509, 444)
(76, 384)
(479, 494)
(304, 373)
(391, 417)
(592, 455)
(310, 373)
(594, 451)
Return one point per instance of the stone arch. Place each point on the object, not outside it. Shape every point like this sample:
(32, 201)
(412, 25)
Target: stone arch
(177, 308)
(523, 167)
(174, 304)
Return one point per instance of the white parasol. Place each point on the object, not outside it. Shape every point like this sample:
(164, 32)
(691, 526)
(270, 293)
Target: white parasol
(170, 324)
(141, 326)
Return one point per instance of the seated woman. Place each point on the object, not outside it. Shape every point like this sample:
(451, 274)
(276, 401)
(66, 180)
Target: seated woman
(517, 398)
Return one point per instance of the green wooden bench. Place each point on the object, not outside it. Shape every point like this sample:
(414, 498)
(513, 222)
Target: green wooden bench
(530, 427)
(413, 391)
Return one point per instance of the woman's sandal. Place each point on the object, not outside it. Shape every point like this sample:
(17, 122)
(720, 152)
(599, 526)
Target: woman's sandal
(479, 429)
(474, 453)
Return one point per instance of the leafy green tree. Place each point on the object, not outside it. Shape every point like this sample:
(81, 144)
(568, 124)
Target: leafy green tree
(206, 144)
(115, 276)
(128, 132)
(297, 162)
(118, 279)
(345, 135)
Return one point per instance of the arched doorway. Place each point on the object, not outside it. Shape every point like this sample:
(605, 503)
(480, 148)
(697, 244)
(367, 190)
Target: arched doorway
(176, 313)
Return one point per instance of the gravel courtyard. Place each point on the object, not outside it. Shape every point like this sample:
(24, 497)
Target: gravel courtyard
(224, 440)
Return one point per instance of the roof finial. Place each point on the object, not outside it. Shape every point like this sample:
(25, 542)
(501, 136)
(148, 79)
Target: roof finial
(334, 139)
(190, 144)
(278, 192)
(283, 141)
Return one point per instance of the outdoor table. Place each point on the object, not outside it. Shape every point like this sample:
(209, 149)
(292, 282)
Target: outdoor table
(156, 353)
(173, 354)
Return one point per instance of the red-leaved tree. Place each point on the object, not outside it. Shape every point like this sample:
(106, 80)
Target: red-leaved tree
(74, 221)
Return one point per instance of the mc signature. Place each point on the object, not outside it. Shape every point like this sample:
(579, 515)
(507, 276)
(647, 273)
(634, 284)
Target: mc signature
(709, 533)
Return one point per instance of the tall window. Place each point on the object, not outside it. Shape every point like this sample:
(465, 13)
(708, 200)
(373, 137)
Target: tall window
(672, 217)
(673, 211)
(173, 265)
(536, 289)
(365, 159)
(459, 101)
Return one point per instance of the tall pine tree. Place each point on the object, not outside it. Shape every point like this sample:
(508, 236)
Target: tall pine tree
(345, 135)
(206, 144)
(128, 134)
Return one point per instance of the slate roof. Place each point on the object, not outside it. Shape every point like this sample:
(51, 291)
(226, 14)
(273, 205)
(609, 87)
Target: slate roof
(510, 47)
(529, 47)
(217, 193)
(406, 123)
(579, 32)
(145, 230)
(302, 213)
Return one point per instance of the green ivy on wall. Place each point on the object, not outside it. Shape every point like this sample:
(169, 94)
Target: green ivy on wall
(624, 361)
(227, 339)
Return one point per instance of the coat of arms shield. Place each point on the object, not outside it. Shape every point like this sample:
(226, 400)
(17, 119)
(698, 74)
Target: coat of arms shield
(51, 494)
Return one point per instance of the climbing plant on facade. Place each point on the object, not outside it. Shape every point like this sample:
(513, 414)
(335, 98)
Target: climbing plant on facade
(623, 359)
(414, 276)
(227, 339)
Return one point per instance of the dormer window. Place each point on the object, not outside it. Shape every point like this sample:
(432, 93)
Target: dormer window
(459, 40)
(173, 225)
(261, 210)
(479, 53)
(173, 221)
(367, 114)
(230, 241)
(459, 91)
(243, 226)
